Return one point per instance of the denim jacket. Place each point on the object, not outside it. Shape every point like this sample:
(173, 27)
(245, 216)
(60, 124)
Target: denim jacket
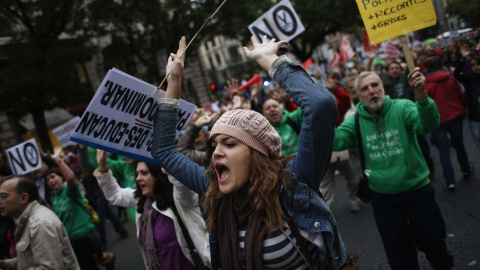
(309, 211)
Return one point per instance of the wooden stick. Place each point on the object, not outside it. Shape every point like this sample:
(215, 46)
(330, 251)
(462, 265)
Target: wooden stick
(407, 53)
(194, 36)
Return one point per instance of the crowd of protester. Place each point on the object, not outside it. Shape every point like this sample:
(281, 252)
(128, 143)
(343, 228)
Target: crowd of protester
(254, 174)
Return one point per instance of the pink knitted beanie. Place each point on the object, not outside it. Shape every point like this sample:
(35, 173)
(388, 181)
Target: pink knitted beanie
(251, 128)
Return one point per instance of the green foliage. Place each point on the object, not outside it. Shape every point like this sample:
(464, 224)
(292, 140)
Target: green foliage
(141, 28)
(38, 69)
(468, 10)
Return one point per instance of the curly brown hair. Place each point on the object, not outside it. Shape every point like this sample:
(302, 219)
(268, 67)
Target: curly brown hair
(266, 177)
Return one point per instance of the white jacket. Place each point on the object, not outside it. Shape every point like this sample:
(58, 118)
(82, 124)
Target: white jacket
(186, 202)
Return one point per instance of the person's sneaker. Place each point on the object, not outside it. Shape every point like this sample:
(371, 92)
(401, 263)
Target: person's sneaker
(469, 175)
(450, 187)
(108, 261)
(355, 207)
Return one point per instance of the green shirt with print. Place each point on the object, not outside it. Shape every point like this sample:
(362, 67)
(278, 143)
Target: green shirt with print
(69, 207)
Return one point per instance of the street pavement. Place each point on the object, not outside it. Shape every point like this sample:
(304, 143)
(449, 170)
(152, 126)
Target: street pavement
(461, 210)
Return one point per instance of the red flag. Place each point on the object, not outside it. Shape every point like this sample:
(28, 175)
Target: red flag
(367, 45)
(307, 63)
(335, 62)
(346, 51)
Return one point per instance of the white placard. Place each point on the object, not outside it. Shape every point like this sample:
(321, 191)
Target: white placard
(119, 119)
(24, 158)
(63, 131)
(280, 22)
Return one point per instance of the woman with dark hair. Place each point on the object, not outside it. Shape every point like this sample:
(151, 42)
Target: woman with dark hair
(68, 203)
(263, 210)
(160, 202)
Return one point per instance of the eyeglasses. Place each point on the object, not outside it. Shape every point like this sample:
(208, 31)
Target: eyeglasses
(4, 196)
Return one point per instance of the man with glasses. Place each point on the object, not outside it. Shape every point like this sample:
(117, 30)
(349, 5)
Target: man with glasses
(40, 238)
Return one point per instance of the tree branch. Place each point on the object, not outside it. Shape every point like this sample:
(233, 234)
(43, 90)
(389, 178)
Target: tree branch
(26, 20)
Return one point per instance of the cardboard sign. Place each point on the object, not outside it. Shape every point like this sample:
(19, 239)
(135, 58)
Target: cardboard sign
(119, 119)
(280, 22)
(63, 131)
(24, 158)
(386, 19)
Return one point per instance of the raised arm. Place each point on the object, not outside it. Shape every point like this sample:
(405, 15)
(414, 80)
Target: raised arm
(66, 171)
(317, 103)
(163, 147)
(424, 116)
(186, 143)
(113, 192)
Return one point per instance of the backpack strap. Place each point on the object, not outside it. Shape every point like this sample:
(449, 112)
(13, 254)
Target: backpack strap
(198, 263)
(300, 240)
(293, 125)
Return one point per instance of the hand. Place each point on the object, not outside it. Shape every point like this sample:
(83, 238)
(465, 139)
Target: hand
(417, 82)
(198, 112)
(202, 121)
(237, 102)
(264, 53)
(255, 91)
(102, 161)
(176, 62)
(465, 51)
(58, 152)
(232, 87)
(372, 54)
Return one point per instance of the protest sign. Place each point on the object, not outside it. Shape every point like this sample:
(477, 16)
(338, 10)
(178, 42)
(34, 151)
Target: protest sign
(24, 158)
(119, 119)
(280, 22)
(386, 19)
(63, 131)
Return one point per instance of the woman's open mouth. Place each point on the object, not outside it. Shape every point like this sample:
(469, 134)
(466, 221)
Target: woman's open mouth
(222, 172)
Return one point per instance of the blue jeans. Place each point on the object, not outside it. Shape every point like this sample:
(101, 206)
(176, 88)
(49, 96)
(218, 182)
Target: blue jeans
(439, 136)
(475, 130)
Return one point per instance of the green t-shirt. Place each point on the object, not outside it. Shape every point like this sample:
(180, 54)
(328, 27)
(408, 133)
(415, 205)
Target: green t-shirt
(69, 207)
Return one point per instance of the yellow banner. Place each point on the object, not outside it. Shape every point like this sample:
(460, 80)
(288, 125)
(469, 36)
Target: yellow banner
(386, 19)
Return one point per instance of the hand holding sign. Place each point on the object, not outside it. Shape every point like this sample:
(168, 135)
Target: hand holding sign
(417, 81)
(264, 53)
